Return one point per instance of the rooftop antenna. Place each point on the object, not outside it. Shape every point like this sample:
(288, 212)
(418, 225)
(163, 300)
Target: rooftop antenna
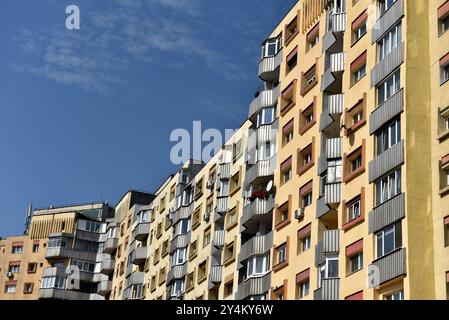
(28, 216)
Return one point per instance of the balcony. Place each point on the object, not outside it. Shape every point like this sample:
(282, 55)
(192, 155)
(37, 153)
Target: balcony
(269, 67)
(141, 231)
(222, 204)
(107, 266)
(387, 20)
(139, 255)
(216, 274)
(333, 148)
(177, 272)
(387, 111)
(62, 294)
(330, 244)
(135, 278)
(332, 105)
(110, 245)
(386, 161)
(258, 209)
(387, 268)
(256, 245)
(335, 64)
(268, 132)
(387, 213)
(58, 253)
(321, 207)
(254, 286)
(332, 193)
(387, 65)
(184, 212)
(266, 98)
(261, 169)
(180, 241)
(104, 287)
(219, 238)
(339, 22)
(329, 290)
(225, 171)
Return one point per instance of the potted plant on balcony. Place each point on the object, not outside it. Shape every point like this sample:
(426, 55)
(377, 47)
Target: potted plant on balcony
(258, 194)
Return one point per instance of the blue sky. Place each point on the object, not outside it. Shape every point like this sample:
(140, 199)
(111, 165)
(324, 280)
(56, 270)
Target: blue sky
(86, 115)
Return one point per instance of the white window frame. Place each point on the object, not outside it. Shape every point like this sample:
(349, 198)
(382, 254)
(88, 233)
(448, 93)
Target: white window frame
(359, 262)
(306, 243)
(384, 5)
(10, 289)
(392, 83)
(180, 225)
(266, 116)
(388, 186)
(17, 250)
(252, 264)
(380, 239)
(281, 253)
(389, 42)
(354, 210)
(334, 171)
(360, 32)
(389, 136)
(304, 289)
(179, 257)
(276, 42)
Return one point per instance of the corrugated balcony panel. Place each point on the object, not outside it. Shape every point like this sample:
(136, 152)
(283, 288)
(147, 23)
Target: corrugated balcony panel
(135, 278)
(139, 255)
(338, 62)
(387, 65)
(177, 272)
(183, 212)
(110, 245)
(339, 22)
(104, 287)
(387, 20)
(330, 290)
(328, 40)
(256, 245)
(54, 272)
(269, 66)
(322, 164)
(180, 241)
(387, 213)
(388, 267)
(268, 132)
(216, 274)
(266, 98)
(262, 168)
(325, 120)
(257, 207)
(332, 193)
(217, 215)
(333, 148)
(219, 236)
(331, 241)
(335, 103)
(387, 111)
(222, 204)
(254, 286)
(225, 171)
(107, 266)
(320, 258)
(141, 231)
(386, 161)
(62, 294)
(321, 207)
(327, 79)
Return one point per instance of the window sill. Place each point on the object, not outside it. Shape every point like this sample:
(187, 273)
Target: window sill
(444, 82)
(287, 108)
(200, 281)
(308, 87)
(288, 40)
(280, 266)
(443, 136)
(305, 128)
(282, 224)
(358, 40)
(354, 272)
(232, 192)
(353, 175)
(231, 226)
(228, 261)
(351, 224)
(305, 168)
(355, 127)
(444, 191)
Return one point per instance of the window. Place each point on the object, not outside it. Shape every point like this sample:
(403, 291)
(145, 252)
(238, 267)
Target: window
(206, 237)
(229, 252)
(281, 254)
(193, 249)
(354, 163)
(179, 256)
(287, 133)
(271, 47)
(356, 262)
(177, 288)
(306, 158)
(291, 30)
(91, 226)
(10, 288)
(355, 116)
(389, 42)
(196, 218)
(202, 271)
(153, 283)
(313, 37)
(181, 227)
(353, 209)
(291, 60)
(358, 68)
(443, 18)
(190, 281)
(257, 266)
(136, 291)
(14, 267)
(32, 267)
(172, 192)
(389, 87)
(17, 249)
(304, 239)
(388, 186)
(199, 188)
(305, 243)
(187, 196)
(444, 68)
(328, 270)
(228, 288)
(28, 288)
(282, 216)
(156, 256)
(235, 183)
(384, 5)
(236, 150)
(286, 170)
(288, 97)
(143, 216)
(334, 171)
(35, 247)
(307, 118)
(358, 27)
(388, 239)
(388, 136)
(266, 116)
(162, 275)
(307, 200)
(162, 203)
(444, 174)
(399, 295)
(53, 282)
(231, 218)
(265, 151)
(309, 80)
(83, 265)
(443, 128)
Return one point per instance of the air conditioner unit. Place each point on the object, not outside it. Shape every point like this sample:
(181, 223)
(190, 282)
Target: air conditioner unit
(10, 275)
(299, 213)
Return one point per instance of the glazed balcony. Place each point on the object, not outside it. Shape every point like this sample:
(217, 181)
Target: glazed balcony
(107, 266)
(141, 231)
(257, 209)
(261, 169)
(110, 245)
(388, 267)
(266, 98)
(269, 66)
(104, 287)
(329, 290)
(257, 245)
(139, 255)
(254, 286)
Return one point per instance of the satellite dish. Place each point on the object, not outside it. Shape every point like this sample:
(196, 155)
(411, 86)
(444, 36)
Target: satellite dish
(269, 185)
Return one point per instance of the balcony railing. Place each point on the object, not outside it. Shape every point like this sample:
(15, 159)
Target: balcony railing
(62, 294)
(387, 213)
(141, 231)
(257, 208)
(266, 98)
(387, 268)
(268, 132)
(339, 22)
(104, 287)
(110, 245)
(332, 193)
(387, 65)
(225, 171)
(177, 272)
(387, 20)
(333, 148)
(135, 278)
(386, 161)
(387, 111)
(254, 286)
(222, 204)
(321, 207)
(269, 66)
(256, 245)
(329, 290)
(216, 274)
(262, 168)
(107, 266)
(219, 238)
(180, 241)
(139, 255)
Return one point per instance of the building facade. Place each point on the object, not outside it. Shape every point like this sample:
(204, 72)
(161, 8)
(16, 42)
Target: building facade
(336, 187)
